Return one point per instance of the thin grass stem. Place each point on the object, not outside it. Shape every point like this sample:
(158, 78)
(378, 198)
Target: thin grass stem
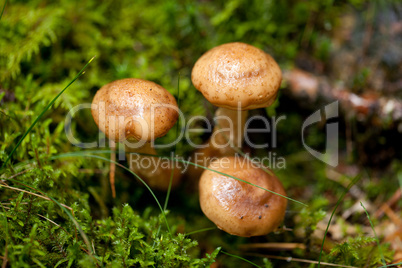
(354, 181)
(375, 235)
(63, 207)
(190, 163)
(238, 257)
(174, 149)
(4, 7)
(120, 165)
(390, 265)
(43, 112)
(200, 231)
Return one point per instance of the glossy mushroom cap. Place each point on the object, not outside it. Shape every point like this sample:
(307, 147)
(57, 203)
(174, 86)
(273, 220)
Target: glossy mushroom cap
(237, 207)
(134, 109)
(237, 72)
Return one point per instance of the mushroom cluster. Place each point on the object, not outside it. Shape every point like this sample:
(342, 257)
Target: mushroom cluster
(236, 77)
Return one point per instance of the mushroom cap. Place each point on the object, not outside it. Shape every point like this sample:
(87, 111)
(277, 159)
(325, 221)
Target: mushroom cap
(235, 73)
(237, 207)
(134, 109)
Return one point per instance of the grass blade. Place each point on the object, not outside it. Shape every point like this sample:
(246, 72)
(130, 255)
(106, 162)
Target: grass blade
(120, 165)
(238, 257)
(83, 235)
(201, 230)
(43, 112)
(190, 163)
(390, 265)
(174, 153)
(4, 7)
(354, 181)
(233, 177)
(375, 234)
(174, 149)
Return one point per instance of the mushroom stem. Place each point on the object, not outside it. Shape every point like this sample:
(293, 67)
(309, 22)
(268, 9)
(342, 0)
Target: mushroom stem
(146, 148)
(226, 139)
(227, 136)
(155, 171)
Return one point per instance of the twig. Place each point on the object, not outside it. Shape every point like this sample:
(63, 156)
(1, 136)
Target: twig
(395, 197)
(289, 259)
(392, 215)
(51, 221)
(312, 89)
(19, 173)
(38, 195)
(37, 158)
(5, 259)
(273, 246)
(23, 203)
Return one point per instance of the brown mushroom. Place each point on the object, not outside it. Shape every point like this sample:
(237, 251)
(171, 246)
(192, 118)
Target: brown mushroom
(136, 112)
(236, 77)
(239, 208)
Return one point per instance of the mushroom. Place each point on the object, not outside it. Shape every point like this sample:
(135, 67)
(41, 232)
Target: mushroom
(236, 77)
(239, 208)
(136, 112)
